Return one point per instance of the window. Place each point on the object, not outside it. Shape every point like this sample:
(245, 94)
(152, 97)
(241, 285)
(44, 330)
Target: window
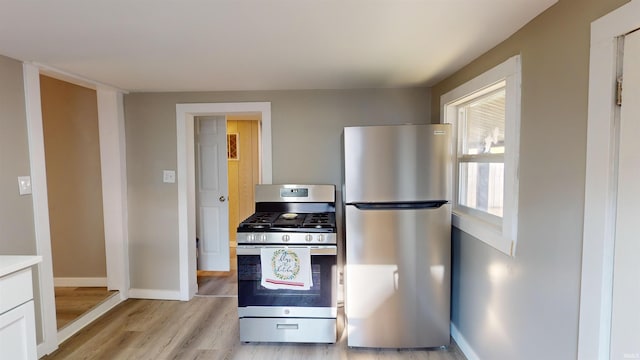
(480, 153)
(486, 115)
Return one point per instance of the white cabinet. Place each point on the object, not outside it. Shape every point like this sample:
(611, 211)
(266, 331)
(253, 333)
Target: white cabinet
(18, 333)
(17, 319)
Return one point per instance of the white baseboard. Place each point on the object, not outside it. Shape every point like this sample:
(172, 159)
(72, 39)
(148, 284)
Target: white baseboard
(89, 317)
(80, 282)
(154, 294)
(463, 344)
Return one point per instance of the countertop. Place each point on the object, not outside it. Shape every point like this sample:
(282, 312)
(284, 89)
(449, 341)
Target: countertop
(13, 263)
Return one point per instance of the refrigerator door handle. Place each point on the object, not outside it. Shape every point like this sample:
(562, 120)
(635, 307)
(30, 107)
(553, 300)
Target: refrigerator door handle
(411, 205)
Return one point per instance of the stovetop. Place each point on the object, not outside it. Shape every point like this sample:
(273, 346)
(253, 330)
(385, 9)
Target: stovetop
(289, 222)
(291, 214)
(288, 228)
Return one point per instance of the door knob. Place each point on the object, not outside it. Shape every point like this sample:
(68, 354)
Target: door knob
(222, 198)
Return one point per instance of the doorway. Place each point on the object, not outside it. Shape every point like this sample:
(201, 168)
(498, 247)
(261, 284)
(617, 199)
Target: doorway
(240, 138)
(72, 156)
(600, 240)
(625, 317)
(113, 164)
(185, 124)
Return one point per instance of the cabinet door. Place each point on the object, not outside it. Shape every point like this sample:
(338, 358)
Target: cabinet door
(18, 333)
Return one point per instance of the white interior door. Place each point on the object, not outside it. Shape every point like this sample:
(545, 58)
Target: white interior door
(625, 317)
(212, 188)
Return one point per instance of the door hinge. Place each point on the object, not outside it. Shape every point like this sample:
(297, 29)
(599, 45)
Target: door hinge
(619, 91)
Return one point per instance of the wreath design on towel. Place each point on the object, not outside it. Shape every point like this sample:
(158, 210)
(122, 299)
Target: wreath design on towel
(285, 264)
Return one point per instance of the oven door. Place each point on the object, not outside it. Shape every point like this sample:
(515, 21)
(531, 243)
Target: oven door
(254, 300)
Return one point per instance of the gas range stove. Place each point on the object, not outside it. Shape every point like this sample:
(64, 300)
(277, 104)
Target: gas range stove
(296, 219)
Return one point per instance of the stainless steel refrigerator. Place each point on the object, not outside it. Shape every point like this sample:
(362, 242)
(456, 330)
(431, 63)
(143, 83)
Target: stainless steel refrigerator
(398, 232)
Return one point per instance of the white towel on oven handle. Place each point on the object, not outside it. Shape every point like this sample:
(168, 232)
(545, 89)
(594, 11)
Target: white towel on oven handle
(286, 268)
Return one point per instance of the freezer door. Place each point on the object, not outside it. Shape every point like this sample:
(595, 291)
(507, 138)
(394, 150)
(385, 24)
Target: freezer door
(397, 277)
(397, 163)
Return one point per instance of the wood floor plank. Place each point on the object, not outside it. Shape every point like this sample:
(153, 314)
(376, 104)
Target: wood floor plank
(204, 328)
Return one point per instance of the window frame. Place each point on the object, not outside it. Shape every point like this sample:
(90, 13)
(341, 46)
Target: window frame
(501, 234)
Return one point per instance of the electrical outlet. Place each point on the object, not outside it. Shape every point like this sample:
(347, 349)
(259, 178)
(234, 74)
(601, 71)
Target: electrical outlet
(169, 176)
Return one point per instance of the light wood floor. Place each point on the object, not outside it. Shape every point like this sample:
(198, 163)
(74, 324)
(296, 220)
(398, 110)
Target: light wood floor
(72, 302)
(220, 283)
(204, 328)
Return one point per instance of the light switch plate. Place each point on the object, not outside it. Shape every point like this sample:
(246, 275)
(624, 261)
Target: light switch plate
(24, 185)
(169, 176)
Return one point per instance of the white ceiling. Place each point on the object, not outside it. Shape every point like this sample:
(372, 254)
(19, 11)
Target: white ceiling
(195, 45)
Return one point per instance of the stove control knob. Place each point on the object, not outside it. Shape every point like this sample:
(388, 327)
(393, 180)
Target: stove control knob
(308, 237)
(263, 237)
(250, 237)
(286, 238)
(320, 238)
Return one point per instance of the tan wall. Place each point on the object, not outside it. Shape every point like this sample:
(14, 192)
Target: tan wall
(306, 129)
(74, 185)
(531, 312)
(243, 173)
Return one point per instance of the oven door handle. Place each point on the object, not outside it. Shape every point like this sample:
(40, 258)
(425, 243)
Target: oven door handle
(315, 250)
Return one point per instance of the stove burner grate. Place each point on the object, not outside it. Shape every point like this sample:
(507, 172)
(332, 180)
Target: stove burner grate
(260, 220)
(276, 220)
(320, 220)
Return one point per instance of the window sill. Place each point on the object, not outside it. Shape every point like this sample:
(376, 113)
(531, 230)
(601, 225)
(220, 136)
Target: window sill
(483, 231)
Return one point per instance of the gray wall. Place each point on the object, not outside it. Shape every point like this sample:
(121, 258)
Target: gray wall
(527, 307)
(17, 230)
(306, 131)
(17, 234)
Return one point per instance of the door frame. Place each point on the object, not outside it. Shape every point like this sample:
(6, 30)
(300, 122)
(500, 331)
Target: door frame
(600, 190)
(185, 123)
(114, 197)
